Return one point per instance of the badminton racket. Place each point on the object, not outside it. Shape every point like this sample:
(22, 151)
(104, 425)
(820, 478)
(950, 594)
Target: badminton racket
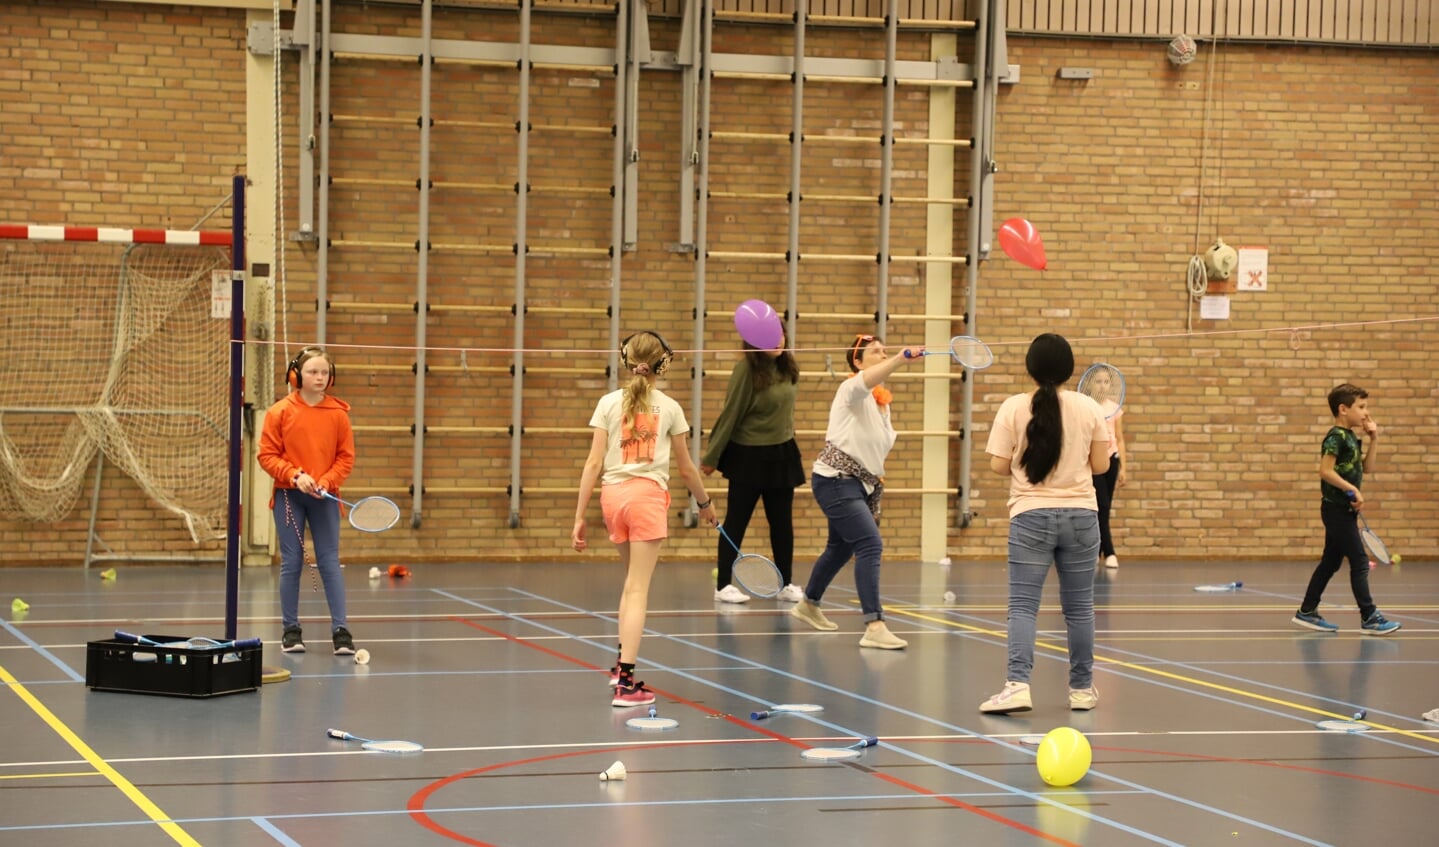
(1372, 542)
(783, 708)
(194, 642)
(966, 350)
(838, 754)
(378, 746)
(755, 574)
(369, 514)
(1219, 587)
(1105, 384)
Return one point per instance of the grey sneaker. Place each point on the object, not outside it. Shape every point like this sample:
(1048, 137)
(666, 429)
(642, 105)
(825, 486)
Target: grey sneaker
(292, 641)
(344, 643)
(811, 614)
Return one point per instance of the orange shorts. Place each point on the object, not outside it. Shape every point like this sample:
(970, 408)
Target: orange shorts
(636, 510)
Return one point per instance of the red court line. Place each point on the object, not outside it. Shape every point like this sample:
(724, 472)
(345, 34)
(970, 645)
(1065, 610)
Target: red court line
(417, 802)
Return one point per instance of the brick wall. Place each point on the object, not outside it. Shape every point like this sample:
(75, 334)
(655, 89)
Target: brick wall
(1323, 155)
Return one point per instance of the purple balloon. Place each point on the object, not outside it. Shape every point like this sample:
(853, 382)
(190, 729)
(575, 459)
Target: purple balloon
(758, 324)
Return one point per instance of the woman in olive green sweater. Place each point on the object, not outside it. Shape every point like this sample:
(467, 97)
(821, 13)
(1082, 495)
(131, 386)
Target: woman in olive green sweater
(752, 444)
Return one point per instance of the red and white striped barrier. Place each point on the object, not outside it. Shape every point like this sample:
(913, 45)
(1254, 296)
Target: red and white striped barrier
(109, 235)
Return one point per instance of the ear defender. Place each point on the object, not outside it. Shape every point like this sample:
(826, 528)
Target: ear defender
(659, 366)
(292, 370)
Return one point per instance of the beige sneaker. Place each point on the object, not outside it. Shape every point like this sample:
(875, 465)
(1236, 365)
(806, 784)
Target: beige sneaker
(878, 636)
(1083, 699)
(1013, 698)
(811, 614)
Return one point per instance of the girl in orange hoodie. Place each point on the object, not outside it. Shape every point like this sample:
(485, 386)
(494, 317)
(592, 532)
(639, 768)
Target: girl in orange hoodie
(308, 447)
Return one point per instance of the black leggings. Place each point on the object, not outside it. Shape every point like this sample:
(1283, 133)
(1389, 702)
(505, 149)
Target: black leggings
(778, 510)
(1104, 487)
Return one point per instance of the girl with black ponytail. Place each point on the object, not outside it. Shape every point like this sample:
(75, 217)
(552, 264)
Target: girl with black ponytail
(1050, 442)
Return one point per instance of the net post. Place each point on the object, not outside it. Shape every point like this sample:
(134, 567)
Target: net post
(237, 399)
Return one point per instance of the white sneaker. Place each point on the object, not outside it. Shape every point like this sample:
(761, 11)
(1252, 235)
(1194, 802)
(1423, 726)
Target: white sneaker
(1013, 698)
(1083, 699)
(790, 594)
(730, 594)
(1111, 561)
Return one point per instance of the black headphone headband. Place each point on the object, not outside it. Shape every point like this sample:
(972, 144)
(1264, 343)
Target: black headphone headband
(292, 370)
(660, 366)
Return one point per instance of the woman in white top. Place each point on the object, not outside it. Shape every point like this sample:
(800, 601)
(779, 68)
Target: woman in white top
(636, 430)
(1050, 443)
(847, 481)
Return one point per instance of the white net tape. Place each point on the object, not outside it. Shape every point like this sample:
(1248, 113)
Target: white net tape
(113, 348)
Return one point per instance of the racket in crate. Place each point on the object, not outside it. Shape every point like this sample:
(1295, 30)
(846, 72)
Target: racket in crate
(839, 754)
(369, 514)
(755, 574)
(966, 350)
(378, 746)
(1104, 383)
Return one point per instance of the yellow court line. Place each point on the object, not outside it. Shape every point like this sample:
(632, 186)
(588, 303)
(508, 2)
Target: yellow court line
(145, 804)
(1263, 698)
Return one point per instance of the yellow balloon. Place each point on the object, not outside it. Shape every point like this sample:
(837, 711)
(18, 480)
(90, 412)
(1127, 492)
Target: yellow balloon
(1064, 757)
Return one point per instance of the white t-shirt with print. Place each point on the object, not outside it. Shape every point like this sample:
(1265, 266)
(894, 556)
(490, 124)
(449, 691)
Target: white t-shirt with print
(1070, 485)
(644, 450)
(859, 426)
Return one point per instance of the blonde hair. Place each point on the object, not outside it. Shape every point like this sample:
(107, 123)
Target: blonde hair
(645, 354)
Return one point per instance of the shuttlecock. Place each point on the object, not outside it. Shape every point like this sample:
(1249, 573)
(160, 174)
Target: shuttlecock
(375, 573)
(949, 596)
(362, 656)
(18, 605)
(613, 773)
(1432, 715)
(107, 574)
(945, 561)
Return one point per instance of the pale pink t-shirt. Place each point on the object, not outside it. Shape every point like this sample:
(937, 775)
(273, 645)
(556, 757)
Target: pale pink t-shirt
(1070, 485)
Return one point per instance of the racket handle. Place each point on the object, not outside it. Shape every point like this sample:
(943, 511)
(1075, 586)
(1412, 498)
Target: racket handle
(248, 642)
(128, 637)
(338, 733)
(868, 742)
(908, 354)
(759, 716)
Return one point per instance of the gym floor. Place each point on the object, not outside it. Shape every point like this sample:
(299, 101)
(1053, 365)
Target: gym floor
(1206, 731)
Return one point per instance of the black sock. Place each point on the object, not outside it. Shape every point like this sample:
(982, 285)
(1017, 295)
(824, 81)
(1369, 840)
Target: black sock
(627, 673)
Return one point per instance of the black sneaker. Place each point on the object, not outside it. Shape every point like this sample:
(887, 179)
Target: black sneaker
(292, 642)
(344, 644)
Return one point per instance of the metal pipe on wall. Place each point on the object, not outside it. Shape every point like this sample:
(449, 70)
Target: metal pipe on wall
(617, 177)
(322, 227)
(886, 165)
(701, 230)
(517, 403)
(422, 265)
(796, 153)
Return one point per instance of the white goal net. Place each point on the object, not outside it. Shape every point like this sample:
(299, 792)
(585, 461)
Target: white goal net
(113, 348)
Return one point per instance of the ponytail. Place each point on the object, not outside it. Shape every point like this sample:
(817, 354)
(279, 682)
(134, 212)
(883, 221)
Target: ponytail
(1050, 363)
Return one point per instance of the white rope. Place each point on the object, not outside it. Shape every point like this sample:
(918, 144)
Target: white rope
(279, 279)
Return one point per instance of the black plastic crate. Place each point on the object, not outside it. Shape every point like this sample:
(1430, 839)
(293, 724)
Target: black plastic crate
(113, 665)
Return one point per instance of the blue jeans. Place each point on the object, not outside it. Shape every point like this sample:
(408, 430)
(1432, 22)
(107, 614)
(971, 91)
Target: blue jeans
(293, 509)
(852, 532)
(1068, 539)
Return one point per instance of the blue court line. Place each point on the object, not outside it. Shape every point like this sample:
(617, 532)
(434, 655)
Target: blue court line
(34, 645)
(1013, 791)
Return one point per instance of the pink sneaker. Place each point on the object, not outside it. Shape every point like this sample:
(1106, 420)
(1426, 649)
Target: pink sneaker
(633, 695)
(615, 676)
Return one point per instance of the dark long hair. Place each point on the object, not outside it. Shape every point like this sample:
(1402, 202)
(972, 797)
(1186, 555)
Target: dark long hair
(766, 371)
(1050, 363)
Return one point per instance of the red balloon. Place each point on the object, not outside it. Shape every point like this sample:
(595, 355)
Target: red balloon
(1021, 241)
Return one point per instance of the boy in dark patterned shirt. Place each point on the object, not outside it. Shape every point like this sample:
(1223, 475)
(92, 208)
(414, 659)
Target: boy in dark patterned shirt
(1342, 463)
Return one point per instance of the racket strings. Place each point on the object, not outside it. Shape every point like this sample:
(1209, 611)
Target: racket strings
(758, 574)
(971, 352)
(374, 514)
